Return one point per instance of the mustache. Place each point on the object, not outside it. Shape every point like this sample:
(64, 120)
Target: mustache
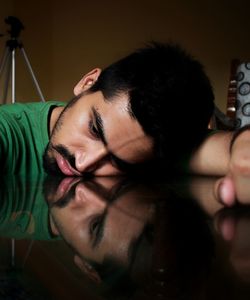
(65, 199)
(66, 154)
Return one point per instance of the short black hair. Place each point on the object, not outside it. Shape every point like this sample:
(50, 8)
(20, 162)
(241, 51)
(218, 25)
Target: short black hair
(169, 94)
(172, 256)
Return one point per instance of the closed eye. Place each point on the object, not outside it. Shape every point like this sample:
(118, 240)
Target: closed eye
(96, 229)
(98, 124)
(93, 130)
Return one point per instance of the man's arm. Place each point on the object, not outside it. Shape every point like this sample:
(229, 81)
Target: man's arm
(235, 186)
(213, 156)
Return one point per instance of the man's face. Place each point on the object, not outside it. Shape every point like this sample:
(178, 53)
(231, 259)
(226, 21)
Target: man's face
(92, 226)
(96, 136)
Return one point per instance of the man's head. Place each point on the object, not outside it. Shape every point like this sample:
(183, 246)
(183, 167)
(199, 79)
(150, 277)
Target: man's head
(124, 232)
(154, 104)
(100, 218)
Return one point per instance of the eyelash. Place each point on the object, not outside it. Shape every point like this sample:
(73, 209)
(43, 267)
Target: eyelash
(95, 227)
(95, 224)
(93, 130)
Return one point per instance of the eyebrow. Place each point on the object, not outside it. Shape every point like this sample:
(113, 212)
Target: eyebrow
(121, 164)
(99, 125)
(110, 198)
(133, 249)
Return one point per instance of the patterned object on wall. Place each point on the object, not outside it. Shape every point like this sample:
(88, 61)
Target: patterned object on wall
(243, 95)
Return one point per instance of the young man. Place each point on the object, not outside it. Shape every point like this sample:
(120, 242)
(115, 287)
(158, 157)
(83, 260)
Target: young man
(140, 109)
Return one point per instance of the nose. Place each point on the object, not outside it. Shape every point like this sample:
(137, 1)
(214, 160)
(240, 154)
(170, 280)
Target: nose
(88, 161)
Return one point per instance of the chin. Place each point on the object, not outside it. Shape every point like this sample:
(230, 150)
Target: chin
(49, 164)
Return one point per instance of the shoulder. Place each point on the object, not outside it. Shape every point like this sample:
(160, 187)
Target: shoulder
(17, 109)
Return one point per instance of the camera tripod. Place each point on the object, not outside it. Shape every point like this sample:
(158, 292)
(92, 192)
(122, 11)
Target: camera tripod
(8, 60)
(8, 68)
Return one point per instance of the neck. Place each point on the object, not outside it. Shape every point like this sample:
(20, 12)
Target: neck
(54, 117)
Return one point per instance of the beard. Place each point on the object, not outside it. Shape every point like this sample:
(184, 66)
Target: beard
(49, 162)
(50, 191)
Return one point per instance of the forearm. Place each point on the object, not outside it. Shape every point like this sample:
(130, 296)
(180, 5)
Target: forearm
(234, 187)
(213, 155)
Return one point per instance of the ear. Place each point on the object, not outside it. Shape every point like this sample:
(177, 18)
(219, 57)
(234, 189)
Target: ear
(87, 81)
(86, 268)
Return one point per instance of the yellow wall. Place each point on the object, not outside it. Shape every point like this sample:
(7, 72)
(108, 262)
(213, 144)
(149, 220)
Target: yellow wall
(65, 39)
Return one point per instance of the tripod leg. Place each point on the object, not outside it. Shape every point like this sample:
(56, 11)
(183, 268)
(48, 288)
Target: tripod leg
(7, 79)
(13, 76)
(32, 74)
(4, 59)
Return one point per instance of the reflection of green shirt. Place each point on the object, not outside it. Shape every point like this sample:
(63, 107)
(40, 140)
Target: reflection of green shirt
(23, 136)
(23, 210)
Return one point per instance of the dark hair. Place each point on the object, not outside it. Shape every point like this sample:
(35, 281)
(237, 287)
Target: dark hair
(169, 94)
(172, 256)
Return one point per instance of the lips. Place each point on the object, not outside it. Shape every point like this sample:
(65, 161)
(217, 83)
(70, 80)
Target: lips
(66, 185)
(65, 166)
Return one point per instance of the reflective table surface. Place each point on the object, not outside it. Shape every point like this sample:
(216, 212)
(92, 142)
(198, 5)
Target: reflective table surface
(116, 238)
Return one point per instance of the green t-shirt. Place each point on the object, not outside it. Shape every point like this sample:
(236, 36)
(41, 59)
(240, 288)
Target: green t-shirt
(24, 213)
(24, 136)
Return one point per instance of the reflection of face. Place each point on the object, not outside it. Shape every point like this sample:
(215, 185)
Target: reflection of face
(96, 136)
(93, 227)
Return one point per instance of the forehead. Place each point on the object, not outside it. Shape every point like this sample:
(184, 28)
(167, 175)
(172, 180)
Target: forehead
(124, 134)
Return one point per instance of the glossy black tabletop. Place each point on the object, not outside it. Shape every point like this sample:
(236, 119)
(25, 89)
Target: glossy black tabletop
(118, 238)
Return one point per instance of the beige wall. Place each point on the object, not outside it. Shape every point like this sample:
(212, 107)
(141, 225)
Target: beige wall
(65, 39)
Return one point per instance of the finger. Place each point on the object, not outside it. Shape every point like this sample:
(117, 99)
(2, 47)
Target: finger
(242, 186)
(227, 228)
(225, 191)
(240, 167)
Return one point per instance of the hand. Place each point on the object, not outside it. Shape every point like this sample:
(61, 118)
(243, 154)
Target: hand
(235, 186)
(233, 225)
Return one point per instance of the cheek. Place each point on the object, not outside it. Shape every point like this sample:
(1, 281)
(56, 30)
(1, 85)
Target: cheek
(72, 132)
(77, 126)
